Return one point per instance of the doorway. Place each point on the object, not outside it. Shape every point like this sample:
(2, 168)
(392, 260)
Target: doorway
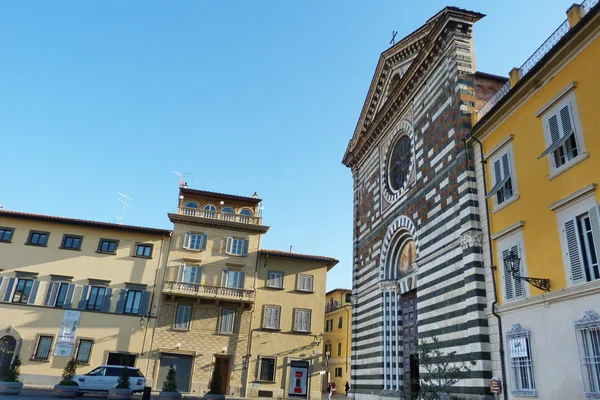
(183, 367)
(7, 351)
(408, 303)
(122, 359)
(222, 364)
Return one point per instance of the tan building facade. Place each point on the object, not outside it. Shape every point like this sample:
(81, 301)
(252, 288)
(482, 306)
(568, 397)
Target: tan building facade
(97, 277)
(286, 359)
(208, 291)
(338, 336)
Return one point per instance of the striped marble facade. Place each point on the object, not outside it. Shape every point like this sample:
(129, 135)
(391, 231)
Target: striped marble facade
(438, 209)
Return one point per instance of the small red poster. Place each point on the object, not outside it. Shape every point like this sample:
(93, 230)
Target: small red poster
(298, 374)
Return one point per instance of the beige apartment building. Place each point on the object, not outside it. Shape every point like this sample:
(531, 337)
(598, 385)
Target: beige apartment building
(255, 315)
(76, 288)
(338, 337)
(208, 291)
(286, 359)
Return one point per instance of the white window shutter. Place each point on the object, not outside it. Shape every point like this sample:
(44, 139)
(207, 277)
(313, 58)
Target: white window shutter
(310, 283)
(204, 240)
(199, 273)
(297, 320)
(574, 252)
(553, 128)
(180, 272)
(266, 317)
(242, 280)
(228, 245)
(594, 214)
(566, 119)
(52, 294)
(508, 287)
(519, 290)
(497, 172)
(279, 280)
(276, 316)
(186, 240)
(224, 278)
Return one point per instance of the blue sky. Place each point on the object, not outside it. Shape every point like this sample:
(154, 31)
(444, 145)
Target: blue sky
(104, 97)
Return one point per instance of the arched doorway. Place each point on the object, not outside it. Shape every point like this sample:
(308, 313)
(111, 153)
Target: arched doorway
(7, 351)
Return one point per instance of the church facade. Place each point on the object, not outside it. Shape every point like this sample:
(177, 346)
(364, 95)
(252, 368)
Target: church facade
(417, 265)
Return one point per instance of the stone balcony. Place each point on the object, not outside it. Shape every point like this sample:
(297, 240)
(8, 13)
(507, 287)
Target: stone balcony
(208, 292)
(221, 216)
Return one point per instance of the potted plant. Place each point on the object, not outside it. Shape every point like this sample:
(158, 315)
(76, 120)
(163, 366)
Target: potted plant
(67, 387)
(123, 389)
(169, 389)
(214, 386)
(10, 384)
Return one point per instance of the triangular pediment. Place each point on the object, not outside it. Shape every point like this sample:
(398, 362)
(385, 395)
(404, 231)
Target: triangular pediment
(395, 62)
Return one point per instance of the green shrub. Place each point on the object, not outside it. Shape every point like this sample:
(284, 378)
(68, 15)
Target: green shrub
(123, 382)
(68, 373)
(215, 381)
(170, 383)
(14, 371)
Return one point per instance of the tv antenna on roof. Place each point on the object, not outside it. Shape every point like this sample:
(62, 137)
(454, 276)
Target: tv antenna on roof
(125, 201)
(182, 176)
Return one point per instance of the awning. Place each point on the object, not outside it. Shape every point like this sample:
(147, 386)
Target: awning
(555, 145)
(497, 187)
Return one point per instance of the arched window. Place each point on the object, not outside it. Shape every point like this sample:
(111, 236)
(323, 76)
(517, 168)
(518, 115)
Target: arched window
(228, 210)
(209, 211)
(246, 211)
(191, 204)
(401, 256)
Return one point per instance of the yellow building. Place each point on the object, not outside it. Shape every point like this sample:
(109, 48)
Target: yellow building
(338, 336)
(540, 143)
(96, 276)
(208, 291)
(287, 325)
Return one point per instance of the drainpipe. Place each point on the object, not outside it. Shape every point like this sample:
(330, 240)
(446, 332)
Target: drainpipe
(152, 302)
(493, 268)
(347, 341)
(250, 330)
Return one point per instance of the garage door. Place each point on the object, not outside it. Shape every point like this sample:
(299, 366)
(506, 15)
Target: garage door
(183, 369)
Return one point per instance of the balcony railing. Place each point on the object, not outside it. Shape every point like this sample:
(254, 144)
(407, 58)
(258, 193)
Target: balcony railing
(533, 60)
(207, 291)
(222, 216)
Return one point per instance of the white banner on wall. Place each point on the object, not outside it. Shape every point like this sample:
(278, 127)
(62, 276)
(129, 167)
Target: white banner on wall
(66, 335)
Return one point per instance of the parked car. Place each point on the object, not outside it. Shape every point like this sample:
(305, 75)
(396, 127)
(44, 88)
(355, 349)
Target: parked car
(105, 377)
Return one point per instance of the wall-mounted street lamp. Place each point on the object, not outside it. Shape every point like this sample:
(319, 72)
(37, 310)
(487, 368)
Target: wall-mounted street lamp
(512, 263)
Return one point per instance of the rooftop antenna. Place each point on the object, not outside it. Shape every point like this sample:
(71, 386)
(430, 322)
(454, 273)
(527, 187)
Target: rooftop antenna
(125, 201)
(393, 41)
(182, 176)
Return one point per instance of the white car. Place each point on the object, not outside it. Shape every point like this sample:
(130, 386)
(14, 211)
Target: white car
(105, 377)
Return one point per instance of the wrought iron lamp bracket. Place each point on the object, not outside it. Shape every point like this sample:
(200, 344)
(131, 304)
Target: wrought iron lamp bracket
(512, 261)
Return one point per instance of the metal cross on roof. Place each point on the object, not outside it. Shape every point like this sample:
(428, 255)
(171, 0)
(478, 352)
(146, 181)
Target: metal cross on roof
(393, 41)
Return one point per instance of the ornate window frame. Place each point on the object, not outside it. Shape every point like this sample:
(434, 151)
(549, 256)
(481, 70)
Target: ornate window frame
(520, 336)
(588, 329)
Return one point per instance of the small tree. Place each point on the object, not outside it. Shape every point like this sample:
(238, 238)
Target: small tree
(14, 371)
(170, 383)
(68, 373)
(215, 381)
(442, 370)
(123, 382)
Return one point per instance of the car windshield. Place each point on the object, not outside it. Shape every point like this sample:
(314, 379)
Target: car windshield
(97, 371)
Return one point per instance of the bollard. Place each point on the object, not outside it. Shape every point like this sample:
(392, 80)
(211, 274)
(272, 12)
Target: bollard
(147, 392)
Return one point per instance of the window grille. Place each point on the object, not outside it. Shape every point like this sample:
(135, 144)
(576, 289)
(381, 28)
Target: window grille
(520, 362)
(587, 332)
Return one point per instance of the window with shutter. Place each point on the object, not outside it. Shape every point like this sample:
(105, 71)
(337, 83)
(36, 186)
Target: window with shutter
(560, 126)
(582, 236)
(182, 320)
(305, 283)
(504, 185)
(302, 320)
(195, 241)
(513, 288)
(227, 321)
(275, 280)
(237, 246)
(272, 316)
(189, 274)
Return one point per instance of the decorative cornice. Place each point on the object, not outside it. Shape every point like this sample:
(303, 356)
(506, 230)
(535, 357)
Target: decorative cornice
(389, 286)
(508, 230)
(590, 319)
(470, 239)
(572, 85)
(498, 146)
(577, 195)
(516, 331)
